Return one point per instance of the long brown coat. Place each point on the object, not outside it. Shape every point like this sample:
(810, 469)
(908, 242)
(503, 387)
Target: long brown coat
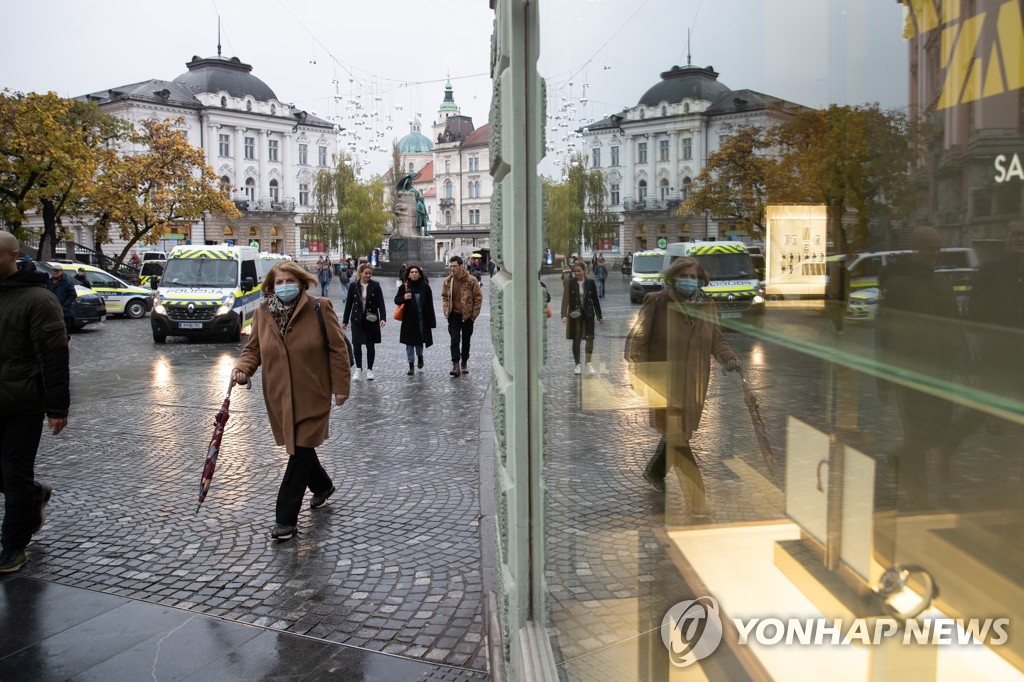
(672, 350)
(299, 379)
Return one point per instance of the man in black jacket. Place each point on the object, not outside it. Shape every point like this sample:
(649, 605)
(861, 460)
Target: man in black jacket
(34, 382)
(64, 289)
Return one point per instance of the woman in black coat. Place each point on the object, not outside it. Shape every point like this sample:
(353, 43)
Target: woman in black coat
(418, 315)
(581, 308)
(364, 306)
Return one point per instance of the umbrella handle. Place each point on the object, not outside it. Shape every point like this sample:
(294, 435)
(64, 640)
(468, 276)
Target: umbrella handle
(231, 385)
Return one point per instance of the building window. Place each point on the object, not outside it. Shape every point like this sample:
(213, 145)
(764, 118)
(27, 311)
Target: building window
(303, 154)
(615, 195)
(685, 193)
(447, 166)
(687, 148)
(663, 150)
(223, 101)
(273, 109)
(472, 190)
(474, 163)
(663, 189)
(722, 139)
(275, 194)
(250, 147)
(321, 155)
(225, 144)
(447, 189)
(615, 155)
(272, 150)
(248, 105)
(250, 189)
(641, 152)
(597, 156)
(225, 186)
(447, 217)
(474, 216)
(410, 166)
(664, 110)
(642, 193)
(303, 194)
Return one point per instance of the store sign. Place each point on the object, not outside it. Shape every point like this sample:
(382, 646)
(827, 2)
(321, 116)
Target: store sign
(1007, 170)
(975, 67)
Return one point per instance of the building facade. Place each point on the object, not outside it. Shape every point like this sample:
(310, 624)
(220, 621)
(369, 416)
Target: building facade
(651, 153)
(265, 152)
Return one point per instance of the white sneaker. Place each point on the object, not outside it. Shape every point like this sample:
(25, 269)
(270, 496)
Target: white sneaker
(355, 374)
(369, 375)
(590, 369)
(578, 370)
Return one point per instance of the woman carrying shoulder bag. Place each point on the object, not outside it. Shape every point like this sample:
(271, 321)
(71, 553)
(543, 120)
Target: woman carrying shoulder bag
(299, 377)
(581, 308)
(417, 317)
(364, 307)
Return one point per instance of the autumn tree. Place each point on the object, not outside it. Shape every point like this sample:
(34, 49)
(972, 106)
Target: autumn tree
(347, 212)
(739, 180)
(850, 157)
(143, 194)
(50, 152)
(576, 212)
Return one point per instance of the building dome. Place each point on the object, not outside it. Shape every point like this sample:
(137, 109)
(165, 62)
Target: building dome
(415, 142)
(221, 74)
(448, 104)
(684, 82)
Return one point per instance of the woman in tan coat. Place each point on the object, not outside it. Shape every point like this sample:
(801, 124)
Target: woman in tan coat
(671, 345)
(301, 370)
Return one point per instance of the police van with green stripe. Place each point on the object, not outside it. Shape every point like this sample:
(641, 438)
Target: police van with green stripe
(207, 291)
(733, 282)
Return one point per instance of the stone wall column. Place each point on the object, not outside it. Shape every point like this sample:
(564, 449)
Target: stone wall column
(262, 153)
(239, 152)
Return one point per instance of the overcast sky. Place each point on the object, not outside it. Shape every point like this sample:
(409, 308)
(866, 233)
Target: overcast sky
(395, 54)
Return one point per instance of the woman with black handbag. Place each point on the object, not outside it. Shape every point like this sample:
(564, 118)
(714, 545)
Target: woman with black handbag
(364, 307)
(581, 309)
(417, 302)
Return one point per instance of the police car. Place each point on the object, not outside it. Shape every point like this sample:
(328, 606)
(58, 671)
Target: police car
(120, 297)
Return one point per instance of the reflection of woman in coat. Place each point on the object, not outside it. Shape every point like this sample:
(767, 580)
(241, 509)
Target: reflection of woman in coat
(364, 307)
(417, 317)
(299, 377)
(671, 345)
(581, 308)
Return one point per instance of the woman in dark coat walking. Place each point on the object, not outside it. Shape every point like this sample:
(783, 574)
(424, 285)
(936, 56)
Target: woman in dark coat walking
(364, 306)
(581, 309)
(418, 316)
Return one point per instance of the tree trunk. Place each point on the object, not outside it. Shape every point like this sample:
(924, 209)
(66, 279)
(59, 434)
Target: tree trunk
(49, 236)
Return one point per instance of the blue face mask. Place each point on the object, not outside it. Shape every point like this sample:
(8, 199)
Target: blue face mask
(687, 287)
(287, 292)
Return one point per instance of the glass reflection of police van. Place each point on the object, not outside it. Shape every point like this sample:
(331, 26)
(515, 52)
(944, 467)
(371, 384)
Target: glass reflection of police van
(645, 275)
(207, 290)
(733, 281)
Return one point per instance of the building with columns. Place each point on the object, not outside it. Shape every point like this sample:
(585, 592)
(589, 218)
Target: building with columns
(265, 151)
(650, 153)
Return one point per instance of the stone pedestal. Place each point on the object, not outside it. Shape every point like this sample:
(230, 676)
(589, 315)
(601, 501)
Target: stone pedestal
(419, 250)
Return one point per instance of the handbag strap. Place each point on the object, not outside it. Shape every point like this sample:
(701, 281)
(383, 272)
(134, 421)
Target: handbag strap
(323, 327)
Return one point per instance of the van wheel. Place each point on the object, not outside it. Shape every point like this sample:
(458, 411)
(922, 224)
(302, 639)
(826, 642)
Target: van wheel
(236, 335)
(633, 299)
(135, 309)
(159, 338)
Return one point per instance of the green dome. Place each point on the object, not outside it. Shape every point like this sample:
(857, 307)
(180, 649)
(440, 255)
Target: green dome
(449, 99)
(415, 142)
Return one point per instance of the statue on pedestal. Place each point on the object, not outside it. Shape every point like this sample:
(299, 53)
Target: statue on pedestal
(410, 210)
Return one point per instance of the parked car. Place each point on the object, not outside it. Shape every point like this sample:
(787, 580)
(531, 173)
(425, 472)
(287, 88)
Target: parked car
(121, 298)
(88, 308)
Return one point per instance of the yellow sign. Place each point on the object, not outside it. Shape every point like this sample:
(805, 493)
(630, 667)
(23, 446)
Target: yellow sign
(974, 68)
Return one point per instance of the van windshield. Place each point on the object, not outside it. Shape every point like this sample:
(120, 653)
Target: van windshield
(648, 265)
(724, 266)
(200, 272)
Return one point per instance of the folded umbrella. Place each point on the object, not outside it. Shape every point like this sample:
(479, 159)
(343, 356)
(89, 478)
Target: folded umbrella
(219, 421)
(750, 399)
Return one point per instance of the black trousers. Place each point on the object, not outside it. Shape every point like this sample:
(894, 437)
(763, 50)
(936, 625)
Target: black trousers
(19, 441)
(461, 332)
(304, 471)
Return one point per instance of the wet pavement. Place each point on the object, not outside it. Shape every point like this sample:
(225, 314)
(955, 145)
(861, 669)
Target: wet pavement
(387, 581)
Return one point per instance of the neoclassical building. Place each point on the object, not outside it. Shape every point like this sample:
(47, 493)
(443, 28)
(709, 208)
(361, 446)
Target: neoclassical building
(650, 153)
(455, 181)
(264, 151)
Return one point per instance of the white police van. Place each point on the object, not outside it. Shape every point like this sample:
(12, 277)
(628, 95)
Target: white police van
(207, 290)
(733, 283)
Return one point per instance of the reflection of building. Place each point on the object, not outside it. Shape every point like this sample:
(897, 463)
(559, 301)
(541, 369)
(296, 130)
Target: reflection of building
(975, 122)
(650, 154)
(265, 152)
(456, 166)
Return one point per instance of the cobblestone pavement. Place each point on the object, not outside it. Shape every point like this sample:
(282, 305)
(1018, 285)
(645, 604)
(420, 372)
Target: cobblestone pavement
(392, 564)
(609, 572)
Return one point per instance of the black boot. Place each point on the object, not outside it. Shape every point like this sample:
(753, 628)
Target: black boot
(654, 472)
(410, 372)
(419, 361)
